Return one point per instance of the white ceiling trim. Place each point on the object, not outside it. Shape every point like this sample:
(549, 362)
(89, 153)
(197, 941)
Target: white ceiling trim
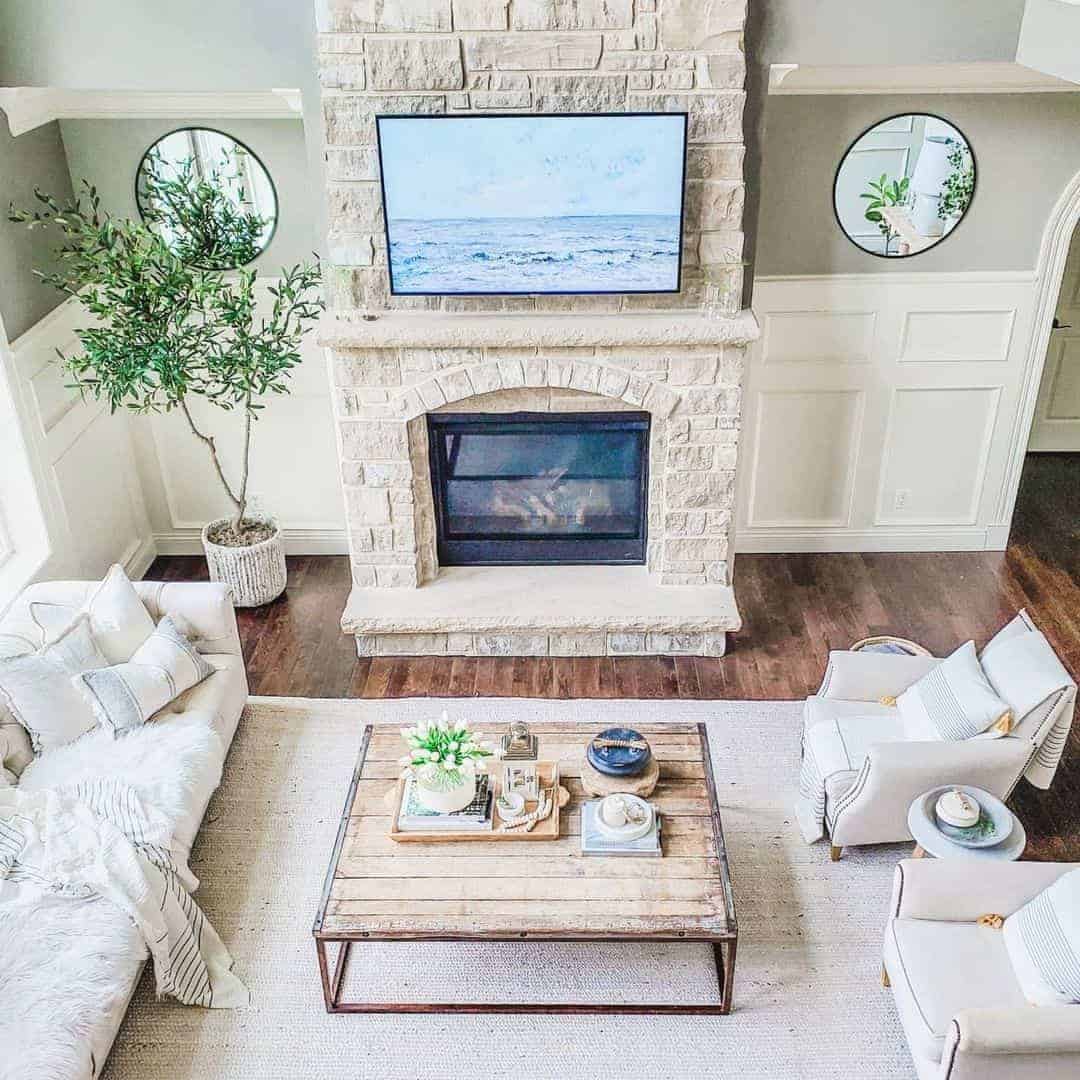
(983, 77)
(28, 107)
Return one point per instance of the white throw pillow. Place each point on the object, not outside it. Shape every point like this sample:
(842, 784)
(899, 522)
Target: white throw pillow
(1025, 671)
(954, 701)
(163, 667)
(118, 618)
(1043, 942)
(36, 687)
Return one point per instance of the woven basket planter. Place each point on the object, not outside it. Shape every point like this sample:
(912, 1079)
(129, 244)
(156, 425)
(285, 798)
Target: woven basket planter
(256, 574)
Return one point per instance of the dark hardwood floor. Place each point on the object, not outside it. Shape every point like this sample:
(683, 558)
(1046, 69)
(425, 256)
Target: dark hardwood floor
(795, 609)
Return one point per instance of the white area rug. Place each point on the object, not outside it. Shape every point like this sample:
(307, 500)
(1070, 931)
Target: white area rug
(807, 999)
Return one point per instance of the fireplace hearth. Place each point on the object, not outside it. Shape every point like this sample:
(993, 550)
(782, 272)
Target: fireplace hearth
(536, 488)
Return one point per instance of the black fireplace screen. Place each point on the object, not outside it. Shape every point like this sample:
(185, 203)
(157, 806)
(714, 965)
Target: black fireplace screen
(539, 487)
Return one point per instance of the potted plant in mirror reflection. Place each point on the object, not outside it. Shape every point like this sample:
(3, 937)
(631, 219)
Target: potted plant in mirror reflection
(444, 757)
(168, 332)
(883, 193)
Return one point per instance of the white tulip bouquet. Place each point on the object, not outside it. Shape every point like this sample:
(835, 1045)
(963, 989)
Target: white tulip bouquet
(443, 753)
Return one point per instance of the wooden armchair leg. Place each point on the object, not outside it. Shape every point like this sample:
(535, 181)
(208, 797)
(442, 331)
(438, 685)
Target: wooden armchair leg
(835, 852)
(885, 977)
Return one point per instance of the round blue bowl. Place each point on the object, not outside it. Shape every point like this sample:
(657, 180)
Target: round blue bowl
(618, 760)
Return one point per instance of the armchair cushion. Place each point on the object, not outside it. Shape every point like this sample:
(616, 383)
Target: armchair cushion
(836, 745)
(938, 969)
(955, 701)
(1043, 943)
(869, 676)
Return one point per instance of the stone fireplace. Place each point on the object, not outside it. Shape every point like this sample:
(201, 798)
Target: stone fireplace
(406, 369)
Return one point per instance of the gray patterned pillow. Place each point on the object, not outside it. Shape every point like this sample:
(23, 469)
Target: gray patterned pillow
(162, 668)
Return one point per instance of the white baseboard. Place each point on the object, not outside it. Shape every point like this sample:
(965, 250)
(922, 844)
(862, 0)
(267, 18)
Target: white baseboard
(297, 542)
(138, 562)
(788, 541)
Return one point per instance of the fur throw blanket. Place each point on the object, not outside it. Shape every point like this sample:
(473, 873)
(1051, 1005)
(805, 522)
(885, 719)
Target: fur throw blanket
(96, 838)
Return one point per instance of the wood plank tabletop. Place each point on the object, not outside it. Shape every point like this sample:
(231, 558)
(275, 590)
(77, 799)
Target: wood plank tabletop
(513, 888)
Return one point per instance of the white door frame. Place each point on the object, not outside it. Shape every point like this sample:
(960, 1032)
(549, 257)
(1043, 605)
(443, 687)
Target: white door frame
(1049, 272)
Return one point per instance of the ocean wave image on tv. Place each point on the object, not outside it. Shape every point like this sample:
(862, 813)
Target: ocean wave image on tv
(537, 204)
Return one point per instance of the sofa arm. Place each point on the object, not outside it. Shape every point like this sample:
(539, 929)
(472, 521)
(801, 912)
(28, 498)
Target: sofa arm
(205, 606)
(946, 890)
(1013, 1044)
(874, 810)
(868, 676)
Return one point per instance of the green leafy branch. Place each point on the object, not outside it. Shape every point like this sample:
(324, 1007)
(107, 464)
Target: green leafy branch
(959, 186)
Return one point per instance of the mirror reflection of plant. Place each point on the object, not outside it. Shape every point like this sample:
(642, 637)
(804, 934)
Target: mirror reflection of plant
(204, 216)
(168, 330)
(959, 185)
(883, 193)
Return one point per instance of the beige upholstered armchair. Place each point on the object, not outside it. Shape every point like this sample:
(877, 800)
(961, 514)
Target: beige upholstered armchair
(861, 771)
(960, 1002)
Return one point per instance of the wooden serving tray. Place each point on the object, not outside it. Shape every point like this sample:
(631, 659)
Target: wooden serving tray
(548, 829)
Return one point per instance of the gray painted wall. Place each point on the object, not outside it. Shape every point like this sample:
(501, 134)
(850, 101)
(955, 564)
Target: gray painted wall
(1026, 149)
(107, 153)
(884, 32)
(35, 159)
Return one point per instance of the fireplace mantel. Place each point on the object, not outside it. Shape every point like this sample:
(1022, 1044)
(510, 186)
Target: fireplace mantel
(350, 330)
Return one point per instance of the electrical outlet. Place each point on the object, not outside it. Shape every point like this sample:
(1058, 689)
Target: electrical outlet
(900, 499)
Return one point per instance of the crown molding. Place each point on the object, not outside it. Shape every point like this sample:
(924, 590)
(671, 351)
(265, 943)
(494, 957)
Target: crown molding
(982, 77)
(28, 107)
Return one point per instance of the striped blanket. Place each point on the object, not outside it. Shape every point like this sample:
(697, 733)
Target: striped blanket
(98, 838)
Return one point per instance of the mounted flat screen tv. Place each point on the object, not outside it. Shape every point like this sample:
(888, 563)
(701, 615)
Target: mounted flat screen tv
(538, 203)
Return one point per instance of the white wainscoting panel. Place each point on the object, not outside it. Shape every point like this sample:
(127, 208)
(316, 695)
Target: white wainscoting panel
(818, 336)
(806, 443)
(948, 336)
(879, 410)
(935, 455)
(81, 460)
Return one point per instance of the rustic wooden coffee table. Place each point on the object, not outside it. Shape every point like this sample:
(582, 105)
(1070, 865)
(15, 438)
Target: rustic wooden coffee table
(499, 890)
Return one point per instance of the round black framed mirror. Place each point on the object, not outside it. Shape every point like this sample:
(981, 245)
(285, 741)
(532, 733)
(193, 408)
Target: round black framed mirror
(208, 196)
(904, 185)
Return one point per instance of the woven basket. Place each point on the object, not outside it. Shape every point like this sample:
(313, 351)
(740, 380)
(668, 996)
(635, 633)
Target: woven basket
(913, 648)
(256, 574)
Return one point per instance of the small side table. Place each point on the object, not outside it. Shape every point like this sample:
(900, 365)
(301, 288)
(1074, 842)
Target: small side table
(930, 840)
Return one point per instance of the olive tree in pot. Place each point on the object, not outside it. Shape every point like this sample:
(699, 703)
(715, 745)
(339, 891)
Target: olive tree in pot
(166, 332)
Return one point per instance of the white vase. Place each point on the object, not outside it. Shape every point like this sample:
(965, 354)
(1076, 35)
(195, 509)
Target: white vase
(255, 574)
(447, 800)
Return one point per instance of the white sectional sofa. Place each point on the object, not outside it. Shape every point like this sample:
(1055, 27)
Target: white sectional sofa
(68, 968)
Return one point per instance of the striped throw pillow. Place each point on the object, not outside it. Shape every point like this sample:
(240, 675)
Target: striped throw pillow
(1043, 942)
(162, 668)
(954, 701)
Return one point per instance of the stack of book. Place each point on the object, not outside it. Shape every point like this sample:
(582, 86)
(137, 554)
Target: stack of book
(594, 841)
(414, 816)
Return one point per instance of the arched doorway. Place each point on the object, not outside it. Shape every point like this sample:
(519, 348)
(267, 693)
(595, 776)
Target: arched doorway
(1050, 273)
